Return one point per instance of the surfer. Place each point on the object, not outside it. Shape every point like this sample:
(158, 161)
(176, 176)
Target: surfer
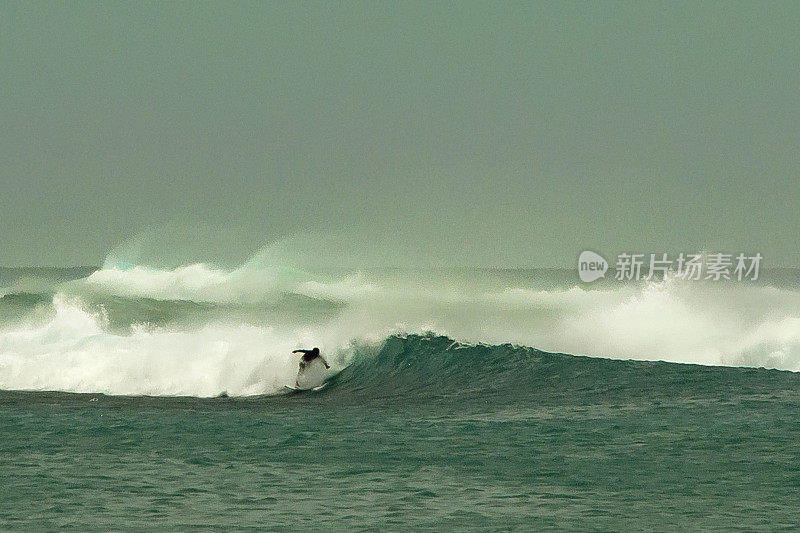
(310, 355)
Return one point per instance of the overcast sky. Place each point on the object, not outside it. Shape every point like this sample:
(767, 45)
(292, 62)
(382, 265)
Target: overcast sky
(491, 134)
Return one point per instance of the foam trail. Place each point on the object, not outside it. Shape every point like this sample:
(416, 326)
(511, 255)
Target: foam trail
(73, 352)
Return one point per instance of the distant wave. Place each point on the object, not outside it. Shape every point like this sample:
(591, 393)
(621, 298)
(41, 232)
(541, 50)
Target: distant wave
(203, 283)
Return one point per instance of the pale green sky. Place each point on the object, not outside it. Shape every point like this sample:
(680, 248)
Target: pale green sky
(488, 134)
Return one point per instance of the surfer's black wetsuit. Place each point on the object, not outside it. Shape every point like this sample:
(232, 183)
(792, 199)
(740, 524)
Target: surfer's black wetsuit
(310, 355)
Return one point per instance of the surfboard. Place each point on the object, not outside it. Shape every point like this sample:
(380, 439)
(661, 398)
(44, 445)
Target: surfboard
(297, 389)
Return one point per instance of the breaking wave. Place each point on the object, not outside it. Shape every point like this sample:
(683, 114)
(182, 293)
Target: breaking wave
(198, 330)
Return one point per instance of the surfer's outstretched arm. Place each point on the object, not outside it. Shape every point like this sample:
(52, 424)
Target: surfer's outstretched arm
(302, 351)
(324, 362)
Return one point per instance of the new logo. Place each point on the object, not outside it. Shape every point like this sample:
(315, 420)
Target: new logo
(591, 266)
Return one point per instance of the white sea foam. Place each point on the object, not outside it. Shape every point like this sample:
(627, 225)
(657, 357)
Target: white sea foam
(73, 351)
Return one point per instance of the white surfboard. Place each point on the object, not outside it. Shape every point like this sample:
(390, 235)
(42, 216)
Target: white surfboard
(295, 389)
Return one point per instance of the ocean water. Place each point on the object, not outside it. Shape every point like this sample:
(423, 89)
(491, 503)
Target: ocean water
(133, 397)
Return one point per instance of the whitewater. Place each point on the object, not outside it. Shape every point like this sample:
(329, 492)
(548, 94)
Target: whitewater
(201, 330)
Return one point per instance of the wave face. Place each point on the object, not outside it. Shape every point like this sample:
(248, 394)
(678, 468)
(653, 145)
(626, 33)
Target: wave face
(198, 330)
(433, 367)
